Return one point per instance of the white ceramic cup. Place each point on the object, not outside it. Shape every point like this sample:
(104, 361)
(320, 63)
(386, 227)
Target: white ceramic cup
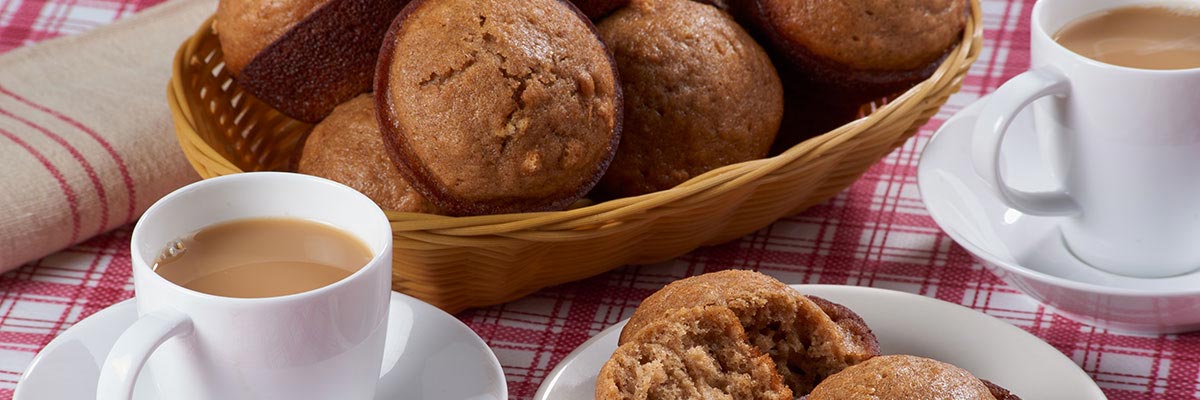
(1123, 142)
(325, 343)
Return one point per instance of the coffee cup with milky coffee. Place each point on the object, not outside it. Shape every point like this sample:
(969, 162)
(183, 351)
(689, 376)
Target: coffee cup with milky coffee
(1114, 87)
(261, 285)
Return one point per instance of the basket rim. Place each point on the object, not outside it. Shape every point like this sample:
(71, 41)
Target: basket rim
(714, 182)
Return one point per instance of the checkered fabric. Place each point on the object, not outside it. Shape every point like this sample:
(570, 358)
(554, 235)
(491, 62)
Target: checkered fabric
(876, 233)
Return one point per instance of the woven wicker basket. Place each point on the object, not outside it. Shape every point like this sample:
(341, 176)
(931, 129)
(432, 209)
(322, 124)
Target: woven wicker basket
(456, 263)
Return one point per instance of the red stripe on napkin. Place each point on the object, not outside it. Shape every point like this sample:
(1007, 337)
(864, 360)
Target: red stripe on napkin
(124, 171)
(83, 162)
(72, 200)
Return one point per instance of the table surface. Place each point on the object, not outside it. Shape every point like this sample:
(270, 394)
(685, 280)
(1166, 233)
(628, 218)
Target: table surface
(876, 233)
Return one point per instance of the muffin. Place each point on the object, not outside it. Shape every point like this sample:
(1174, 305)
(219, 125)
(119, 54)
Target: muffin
(699, 94)
(807, 338)
(246, 27)
(858, 49)
(489, 108)
(596, 9)
(902, 377)
(690, 353)
(303, 57)
(346, 147)
(808, 113)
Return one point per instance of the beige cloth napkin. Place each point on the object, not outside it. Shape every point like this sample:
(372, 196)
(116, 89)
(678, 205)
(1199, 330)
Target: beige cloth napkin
(86, 138)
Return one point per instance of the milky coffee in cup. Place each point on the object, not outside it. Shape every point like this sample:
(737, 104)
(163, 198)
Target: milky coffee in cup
(262, 257)
(1147, 37)
(1113, 93)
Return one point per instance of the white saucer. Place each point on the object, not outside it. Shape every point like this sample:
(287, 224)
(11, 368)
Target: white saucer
(443, 359)
(905, 324)
(1027, 251)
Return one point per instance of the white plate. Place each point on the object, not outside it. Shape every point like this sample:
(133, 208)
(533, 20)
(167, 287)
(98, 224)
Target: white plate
(443, 359)
(1027, 251)
(905, 324)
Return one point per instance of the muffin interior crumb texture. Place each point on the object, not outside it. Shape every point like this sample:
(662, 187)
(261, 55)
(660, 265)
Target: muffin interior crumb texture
(805, 343)
(800, 359)
(502, 103)
(697, 353)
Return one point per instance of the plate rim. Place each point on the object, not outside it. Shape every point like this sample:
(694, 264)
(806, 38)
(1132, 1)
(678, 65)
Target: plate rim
(558, 371)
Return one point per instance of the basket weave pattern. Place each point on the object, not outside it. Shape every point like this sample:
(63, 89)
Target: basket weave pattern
(456, 263)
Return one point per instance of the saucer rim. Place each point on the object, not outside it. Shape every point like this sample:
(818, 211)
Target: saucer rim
(58, 341)
(494, 361)
(973, 109)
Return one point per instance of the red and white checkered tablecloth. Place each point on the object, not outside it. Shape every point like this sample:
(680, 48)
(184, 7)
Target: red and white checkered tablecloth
(876, 233)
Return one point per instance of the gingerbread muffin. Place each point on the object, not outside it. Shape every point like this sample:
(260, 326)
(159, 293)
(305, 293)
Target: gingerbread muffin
(246, 27)
(862, 49)
(596, 9)
(808, 338)
(489, 108)
(808, 113)
(699, 94)
(303, 57)
(902, 377)
(690, 353)
(346, 147)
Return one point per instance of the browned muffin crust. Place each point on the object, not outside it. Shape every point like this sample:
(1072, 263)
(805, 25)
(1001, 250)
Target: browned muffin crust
(902, 377)
(870, 47)
(999, 392)
(346, 147)
(597, 9)
(326, 58)
(246, 27)
(489, 108)
(805, 343)
(849, 322)
(690, 353)
(699, 94)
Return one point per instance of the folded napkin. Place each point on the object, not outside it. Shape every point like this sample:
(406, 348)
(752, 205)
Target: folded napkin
(86, 138)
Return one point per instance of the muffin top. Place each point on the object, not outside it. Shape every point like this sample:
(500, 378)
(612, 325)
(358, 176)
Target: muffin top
(869, 34)
(699, 94)
(246, 27)
(902, 377)
(346, 147)
(734, 288)
(490, 108)
(748, 290)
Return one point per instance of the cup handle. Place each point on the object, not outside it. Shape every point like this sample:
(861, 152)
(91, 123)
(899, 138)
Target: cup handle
(133, 348)
(992, 125)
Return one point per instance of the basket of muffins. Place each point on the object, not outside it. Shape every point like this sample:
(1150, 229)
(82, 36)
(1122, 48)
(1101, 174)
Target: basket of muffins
(518, 145)
(740, 334)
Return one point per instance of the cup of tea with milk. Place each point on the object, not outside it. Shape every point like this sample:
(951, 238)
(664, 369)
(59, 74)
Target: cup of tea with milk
(1114, 87)
(261, 285)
